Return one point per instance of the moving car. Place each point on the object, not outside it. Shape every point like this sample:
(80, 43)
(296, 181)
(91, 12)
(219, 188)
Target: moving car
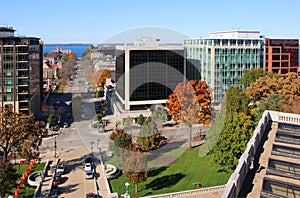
(60, 168)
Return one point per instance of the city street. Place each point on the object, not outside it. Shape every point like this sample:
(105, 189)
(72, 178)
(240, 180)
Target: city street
(75, 142)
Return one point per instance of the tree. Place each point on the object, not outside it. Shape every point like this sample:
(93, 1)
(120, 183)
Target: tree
(103, 105)
(100, 76)
(121, 138)
(286, 85)
(68, 68)
(87, 52)
(149, 137)
(191, 103)
(140, 119)
(52, 120)
(273, 102)
(135, 166)
(19, 132)
(8, 178)
(252, 75)
(236, 100)
(233, 140)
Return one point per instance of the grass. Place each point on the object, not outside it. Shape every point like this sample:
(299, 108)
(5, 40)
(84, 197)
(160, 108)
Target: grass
(26, 190)
(181, 175)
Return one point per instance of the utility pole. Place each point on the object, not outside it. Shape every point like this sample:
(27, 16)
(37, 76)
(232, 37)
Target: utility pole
(55, 146)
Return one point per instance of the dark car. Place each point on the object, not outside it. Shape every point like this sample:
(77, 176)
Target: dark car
(91, 195)
(57, 179)
(54, 190)
(88, 159)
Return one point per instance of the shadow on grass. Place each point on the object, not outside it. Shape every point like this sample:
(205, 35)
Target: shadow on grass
(165, 181)
(155, 172)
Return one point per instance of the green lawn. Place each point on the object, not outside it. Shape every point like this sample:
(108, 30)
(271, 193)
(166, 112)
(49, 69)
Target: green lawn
(26, 190)
(181, 175)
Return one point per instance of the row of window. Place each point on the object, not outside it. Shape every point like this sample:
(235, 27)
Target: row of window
(223, 42)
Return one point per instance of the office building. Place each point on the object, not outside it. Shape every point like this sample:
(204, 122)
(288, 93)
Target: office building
(21, 71)
(281, 55)
(224, 56)
(147, 73)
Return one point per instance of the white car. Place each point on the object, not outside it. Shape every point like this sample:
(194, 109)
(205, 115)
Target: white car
(88, 167)
(66, 125)
(60, 168)
(89, 174)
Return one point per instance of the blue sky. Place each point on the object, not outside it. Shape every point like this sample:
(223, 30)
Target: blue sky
(96, 21)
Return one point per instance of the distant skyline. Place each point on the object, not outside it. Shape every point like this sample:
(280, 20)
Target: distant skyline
(99, 21)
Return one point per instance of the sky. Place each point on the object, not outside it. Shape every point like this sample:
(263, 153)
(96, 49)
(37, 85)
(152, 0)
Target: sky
(99, 21)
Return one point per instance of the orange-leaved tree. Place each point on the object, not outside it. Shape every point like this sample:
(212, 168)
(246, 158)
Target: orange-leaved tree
(191, 103)
(100, 77)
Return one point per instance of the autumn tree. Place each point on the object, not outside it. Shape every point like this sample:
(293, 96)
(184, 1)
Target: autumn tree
(286, 85)
(19, 132)
(191, 103)
(68, 68)
(135, 166)
(252, 75)
(100, 77)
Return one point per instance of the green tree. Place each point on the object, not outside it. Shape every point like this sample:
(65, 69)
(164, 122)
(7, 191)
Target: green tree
(233, 140)
(272, 102)
(8, 178)
(236, 100)
(52, 120)
(103, 105)
(140, 119)
(121, 138)
(149, 137)
(252, 75)
(127, 124)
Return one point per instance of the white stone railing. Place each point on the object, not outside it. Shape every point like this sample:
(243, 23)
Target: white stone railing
(189, 192)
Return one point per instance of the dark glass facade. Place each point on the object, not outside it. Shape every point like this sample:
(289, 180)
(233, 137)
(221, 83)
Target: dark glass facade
(154, 73)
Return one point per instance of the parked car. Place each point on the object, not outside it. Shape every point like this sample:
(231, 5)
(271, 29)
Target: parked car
(57, 179)
(91, 195)
(54, 190)
(66, 125)
(60, 168)
(23, 162)
(88, 159)
(88, 167)
(89, 174)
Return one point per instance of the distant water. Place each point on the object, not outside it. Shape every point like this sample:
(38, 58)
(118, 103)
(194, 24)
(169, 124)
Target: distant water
(77, 49)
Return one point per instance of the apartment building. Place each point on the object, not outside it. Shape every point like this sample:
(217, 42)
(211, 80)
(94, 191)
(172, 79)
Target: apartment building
(21, 71)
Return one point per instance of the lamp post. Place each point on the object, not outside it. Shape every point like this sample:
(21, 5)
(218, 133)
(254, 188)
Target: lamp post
(127, 193)
(98, 146)
(55, 146)
(92, 143)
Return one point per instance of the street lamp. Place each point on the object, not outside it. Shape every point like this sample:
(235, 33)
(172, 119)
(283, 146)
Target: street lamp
(127, 193)
(55, 146)
(92, 142)
(98, 145)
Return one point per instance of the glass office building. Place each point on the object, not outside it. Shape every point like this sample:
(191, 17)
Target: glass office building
(224, 56)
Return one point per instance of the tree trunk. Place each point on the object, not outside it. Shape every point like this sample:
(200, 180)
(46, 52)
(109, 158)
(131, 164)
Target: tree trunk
(190, 136)
(136, 188)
